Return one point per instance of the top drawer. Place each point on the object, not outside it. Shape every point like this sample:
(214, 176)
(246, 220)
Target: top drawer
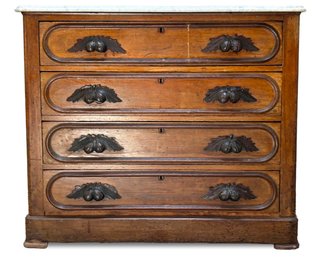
(166, 44)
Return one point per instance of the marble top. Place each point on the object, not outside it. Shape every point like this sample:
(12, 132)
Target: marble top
(87, 9)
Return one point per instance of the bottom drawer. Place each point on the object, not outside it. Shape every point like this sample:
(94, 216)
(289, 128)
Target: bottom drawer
(107, 193)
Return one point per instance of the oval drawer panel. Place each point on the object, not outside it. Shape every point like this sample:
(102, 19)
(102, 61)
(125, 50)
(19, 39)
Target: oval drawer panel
(121, 190)
(234, 42)
(161, 93)
(165, 43)
(114, 43)
(164, 142)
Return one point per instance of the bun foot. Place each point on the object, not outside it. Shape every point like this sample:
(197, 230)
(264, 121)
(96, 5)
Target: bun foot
(286, 246)
(34, 243)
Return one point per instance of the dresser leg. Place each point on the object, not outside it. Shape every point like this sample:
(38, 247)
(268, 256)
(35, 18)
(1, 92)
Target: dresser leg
(286, 246)
(34, 243)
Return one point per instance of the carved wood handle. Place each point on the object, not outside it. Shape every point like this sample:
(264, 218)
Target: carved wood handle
(95, 143)
(231, 144)
(233, 94)
(94, 93)
(226, 43)
(230, 191)
(94, 191)
(97, 43)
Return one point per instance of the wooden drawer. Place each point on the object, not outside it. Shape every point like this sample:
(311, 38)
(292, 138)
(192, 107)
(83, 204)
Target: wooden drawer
(216, 93)
(107, 191)
(161, 43)
(161, 142)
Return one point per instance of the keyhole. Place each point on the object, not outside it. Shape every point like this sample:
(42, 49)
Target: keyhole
(161, 80)
(161, 178)
(161, 30)
(161, 130)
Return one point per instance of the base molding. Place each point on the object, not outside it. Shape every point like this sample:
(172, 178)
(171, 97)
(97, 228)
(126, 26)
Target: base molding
(282, 232)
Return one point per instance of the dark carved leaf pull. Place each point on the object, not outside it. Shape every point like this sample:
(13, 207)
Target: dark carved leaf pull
(231, 144)
(230, 191)
(224, 94)
(94, 191)
(97, 43)
(94, 93)
(227, 43)
(95, 143)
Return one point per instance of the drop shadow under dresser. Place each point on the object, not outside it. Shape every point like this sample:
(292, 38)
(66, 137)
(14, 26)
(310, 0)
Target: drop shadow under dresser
(161, 125)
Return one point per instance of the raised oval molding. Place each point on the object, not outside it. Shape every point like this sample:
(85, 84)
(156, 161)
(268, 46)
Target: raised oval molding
(198, 60)
(164, 126)
(66, 76)
(202, 205)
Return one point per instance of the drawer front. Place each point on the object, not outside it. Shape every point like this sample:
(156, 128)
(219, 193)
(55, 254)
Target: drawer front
(119, 43)
(166, 142)
(161, 93)
(85, 191)
(235, 43)
(153, 43)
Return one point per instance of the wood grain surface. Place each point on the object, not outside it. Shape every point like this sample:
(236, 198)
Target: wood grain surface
(163, 142)
(188, 230)
(159, 93)
(163, 126)
(160, 191)
(179, 43)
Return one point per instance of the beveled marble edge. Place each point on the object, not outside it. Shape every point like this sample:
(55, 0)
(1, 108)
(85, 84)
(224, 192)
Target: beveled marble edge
(107, 9)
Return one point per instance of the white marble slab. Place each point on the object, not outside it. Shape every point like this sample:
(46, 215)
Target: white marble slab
(114, 8)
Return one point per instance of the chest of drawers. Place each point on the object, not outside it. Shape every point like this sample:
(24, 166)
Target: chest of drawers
(161, 126)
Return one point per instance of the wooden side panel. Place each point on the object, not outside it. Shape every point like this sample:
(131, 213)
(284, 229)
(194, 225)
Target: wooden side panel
(289, 112)
(33, 114)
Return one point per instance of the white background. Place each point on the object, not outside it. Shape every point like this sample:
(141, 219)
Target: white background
(13, 176)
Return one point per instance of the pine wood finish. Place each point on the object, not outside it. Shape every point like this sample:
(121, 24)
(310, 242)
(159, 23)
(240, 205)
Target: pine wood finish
(151, 165)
